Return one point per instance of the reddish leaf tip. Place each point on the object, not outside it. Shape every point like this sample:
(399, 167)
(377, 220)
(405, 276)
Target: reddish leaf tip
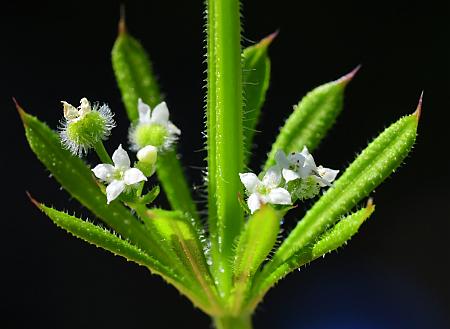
(19, 109)
(268, 40)
(33, 200)
(122, 22)
(349, 76)
(418, 110)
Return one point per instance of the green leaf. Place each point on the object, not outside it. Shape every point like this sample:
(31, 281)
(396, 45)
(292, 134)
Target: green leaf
(255, 82)
(104, 239)
(255, 243)
(150, 196)
(74, 176)
(370, 168)
(134, 75)
(178, 235)
(311, 119)
(332, 239)
(225, 112)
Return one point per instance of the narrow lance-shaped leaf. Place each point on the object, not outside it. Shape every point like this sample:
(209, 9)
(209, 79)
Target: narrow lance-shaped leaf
(228, 132)
(74, 176)
(179, 236)
(334, 238)
(311, 119)
(134, 73)
(370, 168)
(255, 82)
(135, 77)
(255, 243)
(104, 239)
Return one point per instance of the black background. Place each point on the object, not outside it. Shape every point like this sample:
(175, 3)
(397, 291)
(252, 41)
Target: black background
(394, 273)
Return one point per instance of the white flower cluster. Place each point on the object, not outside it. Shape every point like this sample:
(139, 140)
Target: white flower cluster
(85, 127)
(275, 188)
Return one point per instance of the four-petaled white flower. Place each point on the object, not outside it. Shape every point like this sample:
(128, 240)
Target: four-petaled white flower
(301, 165)
(118, 176)
(158, 118)
(265, 191)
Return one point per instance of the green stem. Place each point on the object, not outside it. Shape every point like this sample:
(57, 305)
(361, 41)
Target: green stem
(228, 135)
(102, 153)
(243, 322)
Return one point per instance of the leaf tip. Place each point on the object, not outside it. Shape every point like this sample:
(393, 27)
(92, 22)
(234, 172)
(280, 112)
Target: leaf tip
(268, 40)
(33, 200)
(19, 109)
(418, 110)
(122, 22)
(349, 76)
(370, 206)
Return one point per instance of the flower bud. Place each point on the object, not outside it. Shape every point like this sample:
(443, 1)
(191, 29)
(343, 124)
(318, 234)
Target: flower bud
(148, 154)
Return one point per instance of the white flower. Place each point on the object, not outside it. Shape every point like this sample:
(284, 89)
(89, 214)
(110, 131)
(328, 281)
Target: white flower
(295, 165)
(301, 165)
(85, 126)
(118, 176)
(149, 127)
(265, 191)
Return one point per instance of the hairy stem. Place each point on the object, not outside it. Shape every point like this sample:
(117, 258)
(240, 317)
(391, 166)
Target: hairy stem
(226, 71)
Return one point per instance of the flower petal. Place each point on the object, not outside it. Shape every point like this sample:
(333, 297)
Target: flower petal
(70, 111)
(85, 107)
(104, 172)
(133, 176)
(160, 114)
(173, 130)
(114, 189)
(289, 175)
(296, 159)
(309, 166)
(279, 196)
(254, 202)
(120, 158)
(250, 181)
(281, 159)
(272, 178)
(144, 111)
(327, 176)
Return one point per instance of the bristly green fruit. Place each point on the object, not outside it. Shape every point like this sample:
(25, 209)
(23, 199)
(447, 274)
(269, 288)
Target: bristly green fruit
(150, 135)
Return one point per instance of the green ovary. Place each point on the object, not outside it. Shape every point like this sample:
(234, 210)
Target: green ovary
(149, 134)
(87, 130)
